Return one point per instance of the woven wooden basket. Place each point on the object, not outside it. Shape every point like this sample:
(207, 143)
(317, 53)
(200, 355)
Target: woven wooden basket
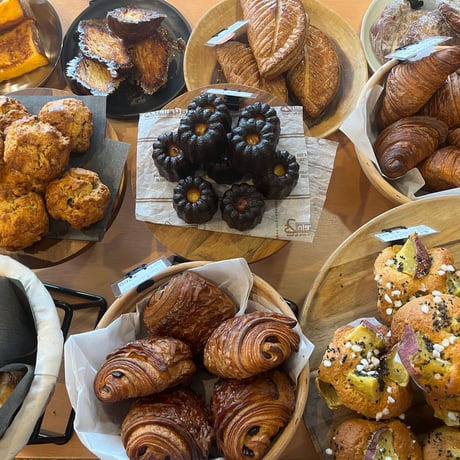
(345, 289)
(127, 303)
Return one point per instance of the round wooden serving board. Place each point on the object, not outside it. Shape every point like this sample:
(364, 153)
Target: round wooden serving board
(195, 244)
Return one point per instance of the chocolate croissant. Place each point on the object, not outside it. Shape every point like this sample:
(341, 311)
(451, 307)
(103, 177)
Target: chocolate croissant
(173, 424)
(249, 413)
(410, 84)
(249, 344)
(143, 367)
(406, 142)
(189, 308)
(441, 170)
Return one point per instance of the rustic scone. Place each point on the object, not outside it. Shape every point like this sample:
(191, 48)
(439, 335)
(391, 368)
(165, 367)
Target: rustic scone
(12, 179)
(36, 148)
(23, 218)
(78, 197)
(360, 371)
(73, 118)
(359, 438)
(11, 109)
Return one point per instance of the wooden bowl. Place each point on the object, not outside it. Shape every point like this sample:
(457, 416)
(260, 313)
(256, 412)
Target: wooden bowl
(200, 60)
(345, 290)
(261, 289)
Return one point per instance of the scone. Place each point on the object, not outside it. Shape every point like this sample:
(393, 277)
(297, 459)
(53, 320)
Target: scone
(73, 118)
(11, 109)
(12, 179)
(23, 219)
(360, 371)
(77, 197)
(36, 148)
(358, 438)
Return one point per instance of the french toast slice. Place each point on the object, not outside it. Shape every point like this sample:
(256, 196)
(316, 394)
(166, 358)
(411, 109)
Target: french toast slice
(21, 50)
(96, 41)
(12, 12)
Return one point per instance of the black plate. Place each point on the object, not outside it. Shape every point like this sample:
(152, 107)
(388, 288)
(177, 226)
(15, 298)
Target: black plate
(129, 100)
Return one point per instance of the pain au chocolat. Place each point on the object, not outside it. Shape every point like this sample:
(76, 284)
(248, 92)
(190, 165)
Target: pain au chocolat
(276, 33)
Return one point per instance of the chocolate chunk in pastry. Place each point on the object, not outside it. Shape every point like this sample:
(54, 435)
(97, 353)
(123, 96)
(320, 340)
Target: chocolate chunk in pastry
(360, 371)
(249, 344)
(143, 367)
(188, 307)
(361, 438)
(249, 413)
(173, 424)
(395, 273)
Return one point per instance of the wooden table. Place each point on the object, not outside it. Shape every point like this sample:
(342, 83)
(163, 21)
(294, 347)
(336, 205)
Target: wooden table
(351, 202)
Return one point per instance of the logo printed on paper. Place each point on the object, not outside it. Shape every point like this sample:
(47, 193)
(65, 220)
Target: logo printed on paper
(293, 227)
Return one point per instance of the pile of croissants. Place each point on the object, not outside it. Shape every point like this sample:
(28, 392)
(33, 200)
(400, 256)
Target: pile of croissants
(193, 335)
(419, 119)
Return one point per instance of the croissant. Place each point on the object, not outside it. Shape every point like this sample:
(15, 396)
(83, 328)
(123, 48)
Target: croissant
(249, 413)
(143, 367)
(451, 14)
(174, 424)
(441, 170)
(239, 66)
(276, 33)
(406, 142)
(188, 307)
(444, 104)
(315, 80)
(410, 84)
(248, 344)
(453, 137)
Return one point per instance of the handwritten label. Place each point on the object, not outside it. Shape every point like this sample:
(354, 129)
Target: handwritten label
(402, 233)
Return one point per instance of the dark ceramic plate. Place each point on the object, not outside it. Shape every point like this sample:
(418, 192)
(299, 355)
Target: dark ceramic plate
(129, 100)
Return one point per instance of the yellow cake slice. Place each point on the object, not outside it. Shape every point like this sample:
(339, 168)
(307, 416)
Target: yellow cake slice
(20, 50)
(12, 12)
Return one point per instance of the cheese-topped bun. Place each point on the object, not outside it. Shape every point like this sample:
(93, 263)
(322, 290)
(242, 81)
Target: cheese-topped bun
(361, 371)
(427, 330)
(357, 438)
(443, 442)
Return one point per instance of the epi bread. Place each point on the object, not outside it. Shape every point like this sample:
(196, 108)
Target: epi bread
(188, 307)
(248, 413)
(143, 367)
(172, 424)
(239, 66)
(249, 344)
(442, 443)
(78, 197)
(357, 437)
(427, 330)
(315, 79)
(276, 33)
(359, 371)
(411, 84)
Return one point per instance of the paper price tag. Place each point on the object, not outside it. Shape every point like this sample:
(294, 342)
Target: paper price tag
(236, 29)
(402, 233)
(417, 50)
(139, 275)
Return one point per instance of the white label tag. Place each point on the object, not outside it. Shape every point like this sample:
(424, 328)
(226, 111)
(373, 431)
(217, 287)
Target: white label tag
(416, 51)
(139, 275)
(227, 34)
(402, 233)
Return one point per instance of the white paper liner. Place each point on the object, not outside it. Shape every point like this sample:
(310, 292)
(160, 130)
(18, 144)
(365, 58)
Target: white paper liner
(97, 424)
(360, 128)
(287, 219)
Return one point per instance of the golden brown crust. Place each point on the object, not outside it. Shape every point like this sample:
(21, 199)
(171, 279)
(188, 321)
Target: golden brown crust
(77, 197)
(441, 170)
(276, 33)
(36, 148)
(9, 380)
(23, 218)
(249, 413)
(249, 344)
(172, 424)
(352, 437)
(73, 118)
(410, 84)
(442, 443)
(11, 109)
(188, 307)
(445, 409)
(433, 321)
(395, 288)
(408, 141)
(343, 360)
(315, 80)
(143, 367)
